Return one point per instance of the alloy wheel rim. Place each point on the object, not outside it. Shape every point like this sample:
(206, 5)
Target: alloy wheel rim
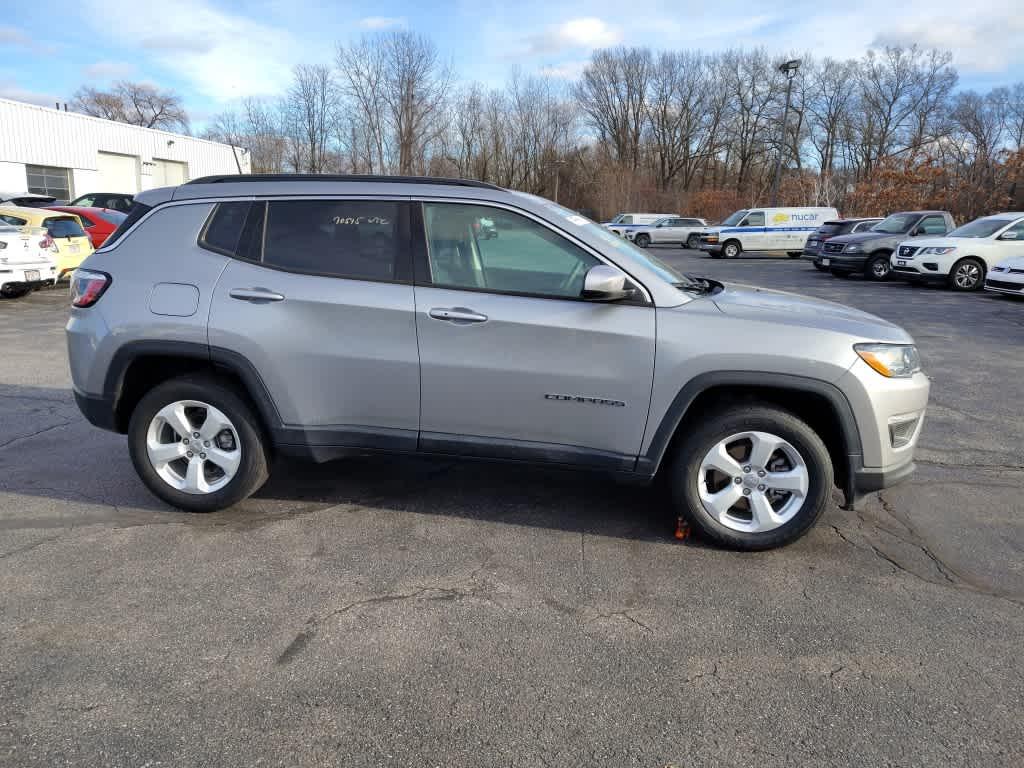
(753, 482)
(881, 268)
(967, 275)
(193, 447)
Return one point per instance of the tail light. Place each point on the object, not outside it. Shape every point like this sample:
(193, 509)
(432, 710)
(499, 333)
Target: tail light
(87, 287)
(48, 244)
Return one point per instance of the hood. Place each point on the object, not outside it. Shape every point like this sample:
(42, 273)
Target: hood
(863, 237)
(762, 304)
(934, 242)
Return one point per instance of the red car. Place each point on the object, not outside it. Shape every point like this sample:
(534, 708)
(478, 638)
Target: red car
(99, 223)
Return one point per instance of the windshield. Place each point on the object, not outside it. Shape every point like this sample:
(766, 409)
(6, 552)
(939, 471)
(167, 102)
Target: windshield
(897, 224)
(64, 227)
(980, 228)
(734, 218)
(617, 218)
(665, 271)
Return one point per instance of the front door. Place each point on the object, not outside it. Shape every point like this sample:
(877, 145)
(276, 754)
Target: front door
(320, 302)
(513, 363)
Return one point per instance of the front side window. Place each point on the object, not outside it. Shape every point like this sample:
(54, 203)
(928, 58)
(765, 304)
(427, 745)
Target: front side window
(1016, 232)
(85, 202)
(46, 180)
(734, 218)
(625, 220)
(357, 239)
(524, 257)
(897, 224)
(755, 219)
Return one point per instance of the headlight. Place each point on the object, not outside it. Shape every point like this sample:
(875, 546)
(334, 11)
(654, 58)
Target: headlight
(939, 251)
(853, 248)
(894, 361)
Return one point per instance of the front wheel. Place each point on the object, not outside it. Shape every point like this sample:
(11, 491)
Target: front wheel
(967, 275)
(14, 293)
(643, 240)
(878, 268)
(752, 477)
(197, 445)
(732, 249)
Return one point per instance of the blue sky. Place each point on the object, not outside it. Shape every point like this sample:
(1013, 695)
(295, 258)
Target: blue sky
(215, 52)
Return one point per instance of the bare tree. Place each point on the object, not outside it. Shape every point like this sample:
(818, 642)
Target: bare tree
(310, 113)
(134, 103)
(613, 95)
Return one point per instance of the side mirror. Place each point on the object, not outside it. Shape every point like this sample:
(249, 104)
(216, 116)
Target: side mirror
(604, 283)
(1008, 236)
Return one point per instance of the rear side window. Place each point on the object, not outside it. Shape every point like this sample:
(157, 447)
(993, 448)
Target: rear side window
(358, 239)
(137, 212)
(63, 226)
(112, 217)
(14, 221)
(224, 229)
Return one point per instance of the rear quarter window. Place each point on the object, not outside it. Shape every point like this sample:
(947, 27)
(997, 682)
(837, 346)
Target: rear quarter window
(137, 212)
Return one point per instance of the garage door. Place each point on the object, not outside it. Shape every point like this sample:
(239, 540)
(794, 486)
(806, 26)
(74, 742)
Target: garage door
(118, 173)
(168, 173)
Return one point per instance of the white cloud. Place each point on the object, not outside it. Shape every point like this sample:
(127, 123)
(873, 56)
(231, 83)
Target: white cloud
(977, 44)
(223, 55)
(568, 70)
(9, 89)
(109, 70)
(14, 36)
(382, 22)
(583, 33)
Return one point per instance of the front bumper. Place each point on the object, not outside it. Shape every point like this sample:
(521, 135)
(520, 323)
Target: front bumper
(864, 481)
(1008, 287)
(916, 273)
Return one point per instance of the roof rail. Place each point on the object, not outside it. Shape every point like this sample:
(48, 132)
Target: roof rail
(235, 178)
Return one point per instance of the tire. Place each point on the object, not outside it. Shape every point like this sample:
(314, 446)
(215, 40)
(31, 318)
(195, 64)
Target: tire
(795, 254)
(693, 242)
(642, 240)
(967, 274)
(732, 249)
(821, 268)
(14, 293)
(839, 273)
(800, 453)
(247, 439)
(878, 268)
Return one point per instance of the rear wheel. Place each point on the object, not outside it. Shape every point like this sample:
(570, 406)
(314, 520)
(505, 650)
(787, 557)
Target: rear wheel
(752, 477)
(967, 275)
(878, 268)
(14, 293)
(197, 445)
(693, 242)
(732, 249)
(643, 240)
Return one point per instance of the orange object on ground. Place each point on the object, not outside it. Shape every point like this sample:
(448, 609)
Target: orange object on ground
(682, 529)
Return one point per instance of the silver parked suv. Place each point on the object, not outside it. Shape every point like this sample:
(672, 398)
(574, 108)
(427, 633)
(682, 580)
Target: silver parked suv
(238, 317)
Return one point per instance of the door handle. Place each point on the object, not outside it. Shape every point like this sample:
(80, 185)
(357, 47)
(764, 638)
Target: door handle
(458, 315)
(256, 295)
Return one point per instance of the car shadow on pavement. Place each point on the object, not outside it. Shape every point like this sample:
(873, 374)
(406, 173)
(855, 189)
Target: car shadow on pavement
(93, 482)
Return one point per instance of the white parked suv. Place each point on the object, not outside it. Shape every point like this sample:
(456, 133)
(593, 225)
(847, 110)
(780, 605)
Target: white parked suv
(672, 230)
(24, 260)
(1007, 277)
(961, 258)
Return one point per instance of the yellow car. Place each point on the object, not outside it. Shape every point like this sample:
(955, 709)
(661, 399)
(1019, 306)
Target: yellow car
(70, 244)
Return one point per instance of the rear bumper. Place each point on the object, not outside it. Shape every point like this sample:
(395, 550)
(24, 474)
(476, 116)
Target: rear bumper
(14, 276)
(851, 263)
(97, 409)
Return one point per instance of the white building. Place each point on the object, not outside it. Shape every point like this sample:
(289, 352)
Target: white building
(65, 154)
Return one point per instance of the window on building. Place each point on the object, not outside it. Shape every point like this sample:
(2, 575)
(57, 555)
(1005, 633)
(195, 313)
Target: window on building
(46, 180)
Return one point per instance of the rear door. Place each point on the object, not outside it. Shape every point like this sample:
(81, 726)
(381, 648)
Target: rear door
(319, 299)
(672, 232)
(513, 362)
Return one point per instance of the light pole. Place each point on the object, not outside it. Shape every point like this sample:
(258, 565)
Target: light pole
(788, 68)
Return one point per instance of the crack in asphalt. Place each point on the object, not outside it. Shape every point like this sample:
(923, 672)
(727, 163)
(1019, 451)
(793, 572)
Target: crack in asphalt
(306, 635)
(951, 576)
(38, 432)
(28, 547)
(963, 465)
(623, 615)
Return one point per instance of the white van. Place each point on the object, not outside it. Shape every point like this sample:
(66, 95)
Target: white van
(626, 221)
(764, 229)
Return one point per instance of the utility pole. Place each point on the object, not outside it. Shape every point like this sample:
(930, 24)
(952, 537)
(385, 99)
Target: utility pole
(789, 69)
(557, 164)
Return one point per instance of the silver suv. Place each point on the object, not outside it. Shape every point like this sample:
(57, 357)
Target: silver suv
(232, 319)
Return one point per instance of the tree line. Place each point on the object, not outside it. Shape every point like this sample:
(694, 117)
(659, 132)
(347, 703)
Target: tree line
(689, 131)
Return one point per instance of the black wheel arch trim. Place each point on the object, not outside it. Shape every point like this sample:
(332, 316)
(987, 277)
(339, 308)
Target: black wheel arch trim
(649, 463)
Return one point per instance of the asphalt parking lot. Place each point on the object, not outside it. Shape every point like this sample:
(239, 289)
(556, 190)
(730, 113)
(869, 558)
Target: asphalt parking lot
(402, 612)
